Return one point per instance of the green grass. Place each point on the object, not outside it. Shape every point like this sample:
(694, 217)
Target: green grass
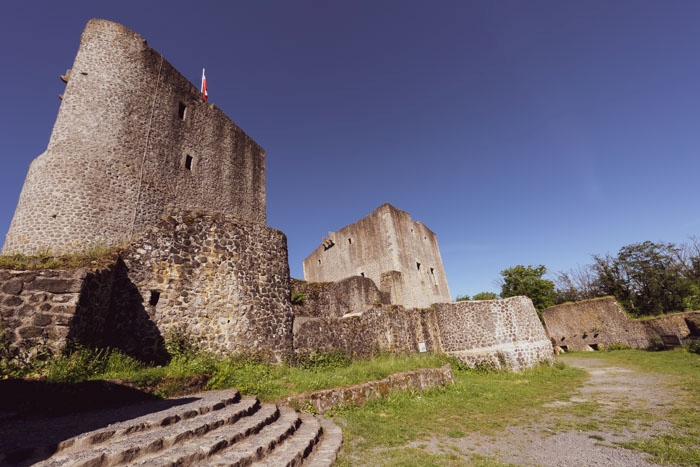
(250, 375)
(483, 402)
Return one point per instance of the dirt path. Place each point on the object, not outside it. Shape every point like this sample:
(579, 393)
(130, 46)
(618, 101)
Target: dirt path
(615, 404)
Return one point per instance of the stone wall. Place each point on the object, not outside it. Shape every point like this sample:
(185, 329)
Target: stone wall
(335, 299)
(223, 282)
(320, 402)
(504, 333)
(400, 255)
(133, 140)
(60, 308)
(38, 306)
(599, 323)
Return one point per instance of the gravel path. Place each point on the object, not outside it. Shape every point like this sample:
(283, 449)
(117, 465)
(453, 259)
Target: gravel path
(560, 438)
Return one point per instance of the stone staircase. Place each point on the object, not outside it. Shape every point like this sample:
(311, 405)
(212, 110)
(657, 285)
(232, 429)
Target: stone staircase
(212, 428)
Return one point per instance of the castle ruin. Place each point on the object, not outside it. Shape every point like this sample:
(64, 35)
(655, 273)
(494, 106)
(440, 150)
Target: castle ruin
(137, 159)
(400, 255)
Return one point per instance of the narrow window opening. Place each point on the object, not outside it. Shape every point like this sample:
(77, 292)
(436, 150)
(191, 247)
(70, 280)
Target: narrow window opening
(432, 271)
(350, 241)
(418, 266)
(362, 274)
(155, 296)
(188, 162)
(181, 110)
(319, 261)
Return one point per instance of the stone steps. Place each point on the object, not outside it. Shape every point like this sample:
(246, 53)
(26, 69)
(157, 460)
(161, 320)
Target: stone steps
(217, 428)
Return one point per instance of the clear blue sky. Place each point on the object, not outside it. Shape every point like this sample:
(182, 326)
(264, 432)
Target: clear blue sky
(520, 132)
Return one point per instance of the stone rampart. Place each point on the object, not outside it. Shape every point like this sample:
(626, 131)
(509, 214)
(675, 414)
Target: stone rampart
(133, 140)
(503, 333)
(219, 280)
(602, 322)
(497, 332)
(222, 282)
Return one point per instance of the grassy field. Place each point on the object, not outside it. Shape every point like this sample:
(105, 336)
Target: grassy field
(487, 402)
(395, 430)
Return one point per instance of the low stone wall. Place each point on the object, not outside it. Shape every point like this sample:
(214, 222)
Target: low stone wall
(38, 306)
(321, 402)
(503, 333)
(601, 322)
(56, 308)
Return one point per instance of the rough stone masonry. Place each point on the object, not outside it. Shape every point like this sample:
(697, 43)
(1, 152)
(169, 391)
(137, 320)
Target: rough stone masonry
(136, 158)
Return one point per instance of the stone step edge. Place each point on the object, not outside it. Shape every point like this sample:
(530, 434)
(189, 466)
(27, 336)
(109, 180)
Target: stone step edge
(255, 448)
(198, 449)
(127, 448)
(320, 402)
(210, 401)
(326, 450)
(297, 447)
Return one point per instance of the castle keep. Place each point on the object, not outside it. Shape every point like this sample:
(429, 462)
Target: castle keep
(133, 140)
(401, 257)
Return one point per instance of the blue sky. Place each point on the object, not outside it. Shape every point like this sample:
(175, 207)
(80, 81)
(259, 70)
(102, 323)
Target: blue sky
(520, 132)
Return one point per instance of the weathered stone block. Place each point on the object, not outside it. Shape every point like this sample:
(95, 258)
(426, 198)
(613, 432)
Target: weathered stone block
(13, 286)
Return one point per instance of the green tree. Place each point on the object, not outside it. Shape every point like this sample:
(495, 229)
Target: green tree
(485, 296)
(463, 298)
(528, 281)
(649, 278)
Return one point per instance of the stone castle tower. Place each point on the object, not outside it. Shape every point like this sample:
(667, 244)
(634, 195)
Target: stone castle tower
(400, 255)
(133, 140)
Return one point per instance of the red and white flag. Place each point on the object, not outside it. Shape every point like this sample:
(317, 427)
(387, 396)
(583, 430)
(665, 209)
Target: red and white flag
(205, 93)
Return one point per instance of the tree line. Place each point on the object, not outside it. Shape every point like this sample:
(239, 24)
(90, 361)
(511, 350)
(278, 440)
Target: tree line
(648, 279)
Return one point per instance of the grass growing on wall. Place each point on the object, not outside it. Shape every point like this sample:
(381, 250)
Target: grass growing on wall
(97, 257)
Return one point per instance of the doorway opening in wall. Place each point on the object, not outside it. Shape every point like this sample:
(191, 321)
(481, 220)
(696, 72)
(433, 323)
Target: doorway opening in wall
(155, 296)
(188, 162)
(564, 348)
(181, 108)
(594, 347)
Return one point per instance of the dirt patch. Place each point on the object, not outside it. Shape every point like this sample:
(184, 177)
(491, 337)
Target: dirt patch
(615, 404)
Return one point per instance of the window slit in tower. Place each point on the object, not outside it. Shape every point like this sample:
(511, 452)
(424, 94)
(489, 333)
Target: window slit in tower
(188, 162)
(181, 110)
(418, 266)
(155, 295)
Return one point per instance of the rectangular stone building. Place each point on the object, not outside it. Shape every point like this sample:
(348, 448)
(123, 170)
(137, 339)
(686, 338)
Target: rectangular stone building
(399, 254)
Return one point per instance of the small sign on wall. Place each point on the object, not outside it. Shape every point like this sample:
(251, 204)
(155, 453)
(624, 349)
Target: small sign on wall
(421, 347)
